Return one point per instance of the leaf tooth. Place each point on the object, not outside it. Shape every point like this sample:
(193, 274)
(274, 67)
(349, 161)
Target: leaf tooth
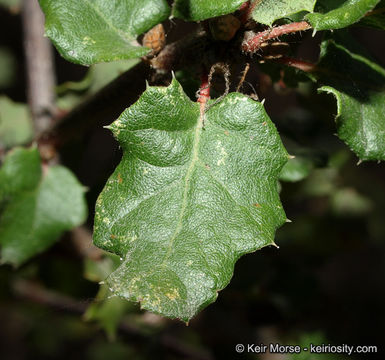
(314, 32)
(288, 220)
(359, 162)
(291, 156)
(274, 244)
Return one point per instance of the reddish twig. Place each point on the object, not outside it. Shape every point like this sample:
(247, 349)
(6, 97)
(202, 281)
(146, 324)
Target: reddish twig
(246, 10)
(253, 41)
(298, 64)
(204, 92)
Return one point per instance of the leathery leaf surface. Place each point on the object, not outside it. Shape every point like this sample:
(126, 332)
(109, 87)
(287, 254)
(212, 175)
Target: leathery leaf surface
(358, 84)
(196, 10)
(92, 31)
(191, 195)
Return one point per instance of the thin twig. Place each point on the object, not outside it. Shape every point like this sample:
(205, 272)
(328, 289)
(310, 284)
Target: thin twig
(100, 109)
(40, 66)
(247, 9)
(33, 292)
(253, 41)
(243, 77)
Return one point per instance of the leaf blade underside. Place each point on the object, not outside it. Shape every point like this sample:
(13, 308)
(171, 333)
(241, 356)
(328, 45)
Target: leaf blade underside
(197, 10)
(268, 11)
(187, 201)
(339, 14)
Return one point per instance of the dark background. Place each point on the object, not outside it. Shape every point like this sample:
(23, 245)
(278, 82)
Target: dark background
(325, 284)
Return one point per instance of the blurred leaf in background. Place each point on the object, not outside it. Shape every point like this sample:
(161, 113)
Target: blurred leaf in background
(15, 123)
(36, 206)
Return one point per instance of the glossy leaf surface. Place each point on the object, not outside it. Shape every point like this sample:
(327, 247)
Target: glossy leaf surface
(92, 31)
(339, 14)
(191, 195)
(358, 85)
(268, 11)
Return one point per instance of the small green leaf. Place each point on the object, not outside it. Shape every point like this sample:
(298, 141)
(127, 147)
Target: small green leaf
(339, 14)
(358, 85)
(268, 11)
(108, 311)
(196, 10)
(15, 123)
(91, 31)
(348, 202)
(35, 209)
(188, 199)
(8, 68)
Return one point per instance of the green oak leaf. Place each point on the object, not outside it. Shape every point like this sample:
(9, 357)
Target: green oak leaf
(196, 10)
(35, 209)
(92, 31)
(191, 195)
(358, 85)
(268, 11)
(339, 14)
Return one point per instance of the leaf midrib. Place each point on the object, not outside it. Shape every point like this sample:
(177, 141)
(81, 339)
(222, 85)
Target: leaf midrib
(194, 159)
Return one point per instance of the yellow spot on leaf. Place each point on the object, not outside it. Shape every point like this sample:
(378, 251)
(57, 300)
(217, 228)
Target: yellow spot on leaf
(88, 41)
(172, 295)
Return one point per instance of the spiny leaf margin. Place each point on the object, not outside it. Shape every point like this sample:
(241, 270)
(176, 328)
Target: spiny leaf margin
(186, 201)
(357, 83)
(350, 12)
